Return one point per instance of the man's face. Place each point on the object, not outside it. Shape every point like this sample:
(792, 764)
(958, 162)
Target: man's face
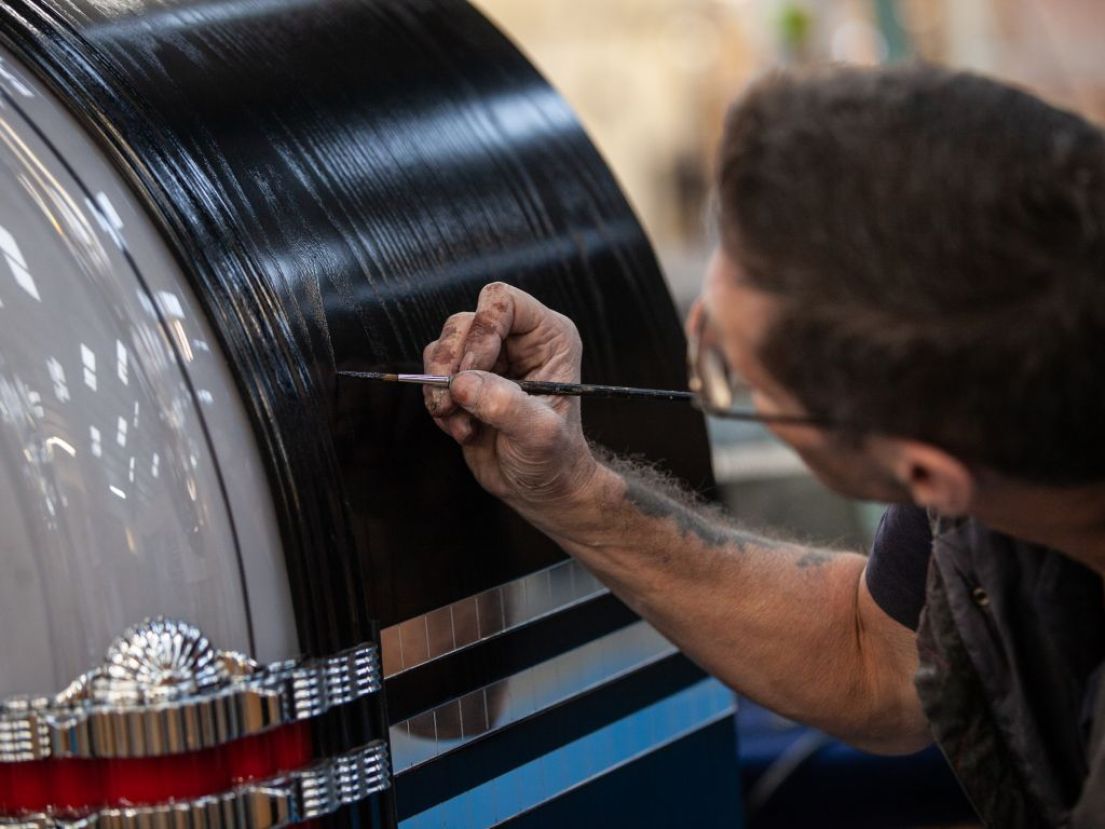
(741, 317)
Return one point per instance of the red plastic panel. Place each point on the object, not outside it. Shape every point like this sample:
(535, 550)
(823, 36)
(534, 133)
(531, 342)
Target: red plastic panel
(81, 785)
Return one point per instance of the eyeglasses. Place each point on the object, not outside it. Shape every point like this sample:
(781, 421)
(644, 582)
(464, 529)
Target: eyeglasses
(718, 390)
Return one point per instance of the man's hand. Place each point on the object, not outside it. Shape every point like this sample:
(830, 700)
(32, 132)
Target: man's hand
(527, 450)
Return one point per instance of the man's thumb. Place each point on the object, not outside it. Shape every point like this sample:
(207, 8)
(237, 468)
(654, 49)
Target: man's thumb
(496, 401)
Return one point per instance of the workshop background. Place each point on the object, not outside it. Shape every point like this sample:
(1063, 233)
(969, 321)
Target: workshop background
(651, 80)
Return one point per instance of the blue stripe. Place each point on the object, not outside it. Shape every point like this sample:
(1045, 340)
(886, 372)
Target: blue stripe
(572, 764)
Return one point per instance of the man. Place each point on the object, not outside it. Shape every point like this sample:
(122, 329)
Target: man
(911, 281)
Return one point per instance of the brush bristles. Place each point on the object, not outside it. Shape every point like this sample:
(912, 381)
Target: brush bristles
(371, 375)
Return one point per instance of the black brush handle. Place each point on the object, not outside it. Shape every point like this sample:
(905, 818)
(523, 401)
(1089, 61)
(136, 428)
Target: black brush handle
(595, 390)
(535, 386)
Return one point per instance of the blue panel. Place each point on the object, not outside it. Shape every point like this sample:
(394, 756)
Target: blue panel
(692, 781)
(530, 784)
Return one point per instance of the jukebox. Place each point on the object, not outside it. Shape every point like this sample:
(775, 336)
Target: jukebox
(237, 590)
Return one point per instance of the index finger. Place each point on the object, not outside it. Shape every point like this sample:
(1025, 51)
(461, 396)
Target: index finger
(443, 356)
(503, 311)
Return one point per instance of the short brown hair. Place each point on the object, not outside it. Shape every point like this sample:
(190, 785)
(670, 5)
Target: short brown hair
(938, 242)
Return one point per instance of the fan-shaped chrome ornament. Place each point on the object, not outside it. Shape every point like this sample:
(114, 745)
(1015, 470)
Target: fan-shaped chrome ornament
(159, 661)
(164, 689)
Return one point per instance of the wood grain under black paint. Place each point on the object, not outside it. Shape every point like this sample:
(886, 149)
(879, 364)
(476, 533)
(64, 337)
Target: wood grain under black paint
(337, 177)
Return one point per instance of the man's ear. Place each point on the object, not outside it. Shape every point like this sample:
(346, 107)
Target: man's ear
(933, 477)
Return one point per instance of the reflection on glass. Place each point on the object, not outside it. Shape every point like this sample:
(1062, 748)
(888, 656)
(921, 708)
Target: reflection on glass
(88, 360)
(17, 264)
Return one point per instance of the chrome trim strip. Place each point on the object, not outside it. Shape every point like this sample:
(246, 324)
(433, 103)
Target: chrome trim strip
(164, 690)
(432, 733)
(265, 804)
(473, 619)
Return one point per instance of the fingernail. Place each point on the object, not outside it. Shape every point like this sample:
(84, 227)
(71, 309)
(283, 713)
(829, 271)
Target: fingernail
(468, 362)
(437, 401)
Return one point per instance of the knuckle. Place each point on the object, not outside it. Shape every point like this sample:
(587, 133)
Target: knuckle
(450, 329)
(493, 289)
(457, 321)
(495, 302)
(485, 339)
(482, 326)
(442, 357)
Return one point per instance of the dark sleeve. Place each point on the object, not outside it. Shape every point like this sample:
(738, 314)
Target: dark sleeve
(899, 563)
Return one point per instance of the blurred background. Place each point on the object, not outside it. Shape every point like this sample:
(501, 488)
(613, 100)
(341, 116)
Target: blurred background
(651, 80)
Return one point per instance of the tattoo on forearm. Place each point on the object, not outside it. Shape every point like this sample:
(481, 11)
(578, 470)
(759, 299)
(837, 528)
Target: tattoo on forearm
(657, 495)
(657, 504)
(814, 558)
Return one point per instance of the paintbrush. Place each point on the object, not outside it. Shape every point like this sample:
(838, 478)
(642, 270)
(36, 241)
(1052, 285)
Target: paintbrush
(533, 386)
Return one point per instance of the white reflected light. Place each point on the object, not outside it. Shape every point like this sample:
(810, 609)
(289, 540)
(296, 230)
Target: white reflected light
(144, 301)
(14, 81)
(107, 218)
(57, 375)
(121, 361)
(117, 492)
(182, 341)
(170, 304)
(88, 360)
(34, 401)
(17, 263)
(55, 442)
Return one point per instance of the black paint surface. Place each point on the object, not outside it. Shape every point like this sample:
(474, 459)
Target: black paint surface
(337, 177)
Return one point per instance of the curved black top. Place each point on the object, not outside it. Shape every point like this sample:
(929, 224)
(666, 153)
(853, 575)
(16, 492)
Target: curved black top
(336, 177)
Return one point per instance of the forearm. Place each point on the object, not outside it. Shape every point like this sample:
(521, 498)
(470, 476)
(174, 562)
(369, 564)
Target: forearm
(778, 622)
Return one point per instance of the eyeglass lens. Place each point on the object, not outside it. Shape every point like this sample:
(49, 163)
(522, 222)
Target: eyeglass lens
(710, 375)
